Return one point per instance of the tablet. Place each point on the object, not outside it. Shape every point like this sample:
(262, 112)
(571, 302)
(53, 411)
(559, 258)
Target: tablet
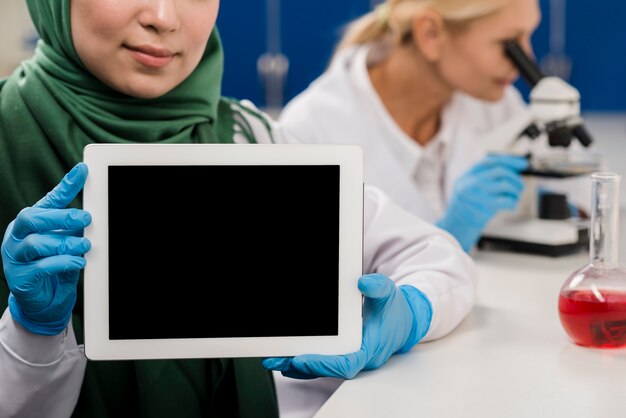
(222, 250)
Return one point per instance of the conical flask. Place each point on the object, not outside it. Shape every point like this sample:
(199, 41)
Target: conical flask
(592, 301)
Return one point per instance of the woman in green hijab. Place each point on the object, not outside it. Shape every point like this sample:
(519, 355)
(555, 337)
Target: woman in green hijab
(122, 71)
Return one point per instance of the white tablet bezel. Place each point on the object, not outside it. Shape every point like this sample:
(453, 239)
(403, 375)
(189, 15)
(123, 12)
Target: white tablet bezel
(98, 157)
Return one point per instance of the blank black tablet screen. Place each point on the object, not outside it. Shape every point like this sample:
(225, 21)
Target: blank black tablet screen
(223, 251)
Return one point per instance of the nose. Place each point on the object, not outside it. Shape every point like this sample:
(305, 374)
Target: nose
(160, 16)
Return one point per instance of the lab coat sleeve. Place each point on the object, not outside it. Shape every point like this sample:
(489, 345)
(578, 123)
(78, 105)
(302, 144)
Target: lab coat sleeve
(40, 376)
(413, 252)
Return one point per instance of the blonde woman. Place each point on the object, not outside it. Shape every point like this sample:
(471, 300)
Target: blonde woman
(418, 84)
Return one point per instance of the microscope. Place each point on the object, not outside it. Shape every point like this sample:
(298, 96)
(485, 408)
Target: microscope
(552, 135)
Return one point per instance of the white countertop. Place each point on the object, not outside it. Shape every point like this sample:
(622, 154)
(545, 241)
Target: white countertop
(509, 358)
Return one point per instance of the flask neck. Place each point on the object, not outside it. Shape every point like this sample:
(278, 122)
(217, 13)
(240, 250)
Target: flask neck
(604, 231)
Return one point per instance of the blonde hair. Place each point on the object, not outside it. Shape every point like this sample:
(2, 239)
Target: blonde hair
(391, 19)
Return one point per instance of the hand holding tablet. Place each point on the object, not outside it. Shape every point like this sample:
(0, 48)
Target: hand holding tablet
(223, 250)
(395, 319)
(43, 249)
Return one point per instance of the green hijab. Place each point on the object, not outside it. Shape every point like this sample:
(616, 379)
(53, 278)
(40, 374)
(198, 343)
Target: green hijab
(50, 108)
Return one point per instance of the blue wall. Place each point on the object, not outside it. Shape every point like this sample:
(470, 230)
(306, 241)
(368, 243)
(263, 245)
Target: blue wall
(595, 42)
(309, 33)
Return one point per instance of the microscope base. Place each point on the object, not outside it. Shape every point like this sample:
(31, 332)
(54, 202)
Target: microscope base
(537, 236)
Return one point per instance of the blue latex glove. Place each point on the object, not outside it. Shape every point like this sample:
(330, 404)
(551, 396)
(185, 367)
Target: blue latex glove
(394, 320)
(42, 255)
(492, 185)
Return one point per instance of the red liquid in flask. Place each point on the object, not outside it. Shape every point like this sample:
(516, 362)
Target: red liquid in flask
(592, 321)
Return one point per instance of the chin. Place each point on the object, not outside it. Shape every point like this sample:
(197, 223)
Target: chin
(147, 94)
(150, 91)
(490, 95)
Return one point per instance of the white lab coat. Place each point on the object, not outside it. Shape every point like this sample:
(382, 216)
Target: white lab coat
(41, 376)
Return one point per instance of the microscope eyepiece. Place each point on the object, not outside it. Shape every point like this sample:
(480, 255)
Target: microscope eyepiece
(560, 131)
(527, 67)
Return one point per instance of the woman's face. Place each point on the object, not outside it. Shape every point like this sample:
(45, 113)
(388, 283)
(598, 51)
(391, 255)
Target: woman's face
(474, 61)
(143, 48)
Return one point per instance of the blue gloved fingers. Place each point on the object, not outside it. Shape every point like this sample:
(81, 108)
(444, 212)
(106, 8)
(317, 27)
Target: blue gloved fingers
(67, 190)
(377, 287)
(296, 374)
(505, 202)
(515, 165)
(284, 366)
(492, 184)
(38, 284)
(489, 204)
(36, 220)
(29, 277)
(391, 325)
(390, 322)
(34, 247)
(341, 366)
(497, 189)
(42, 257)
(60, 306)
(500, 175)
(514, 162)
(59, 264)
(277, 363)
(311, 366)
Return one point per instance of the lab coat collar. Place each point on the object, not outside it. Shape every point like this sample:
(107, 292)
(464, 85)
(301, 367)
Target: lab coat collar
(408, 152)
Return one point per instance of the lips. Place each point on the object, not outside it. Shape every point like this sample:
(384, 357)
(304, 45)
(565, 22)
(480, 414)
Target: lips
(151, 56)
